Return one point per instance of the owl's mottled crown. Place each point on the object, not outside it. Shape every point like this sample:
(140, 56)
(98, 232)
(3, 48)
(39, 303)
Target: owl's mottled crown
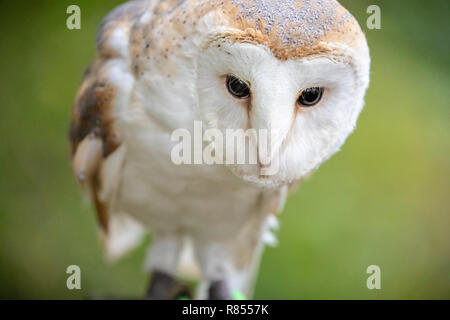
(292, 28)
(289, 28)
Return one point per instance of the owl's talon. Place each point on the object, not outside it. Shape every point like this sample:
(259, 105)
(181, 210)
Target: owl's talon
(165, 287)
(219, 290)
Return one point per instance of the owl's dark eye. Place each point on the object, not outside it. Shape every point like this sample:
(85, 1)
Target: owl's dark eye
(237, 87)
(310, 97)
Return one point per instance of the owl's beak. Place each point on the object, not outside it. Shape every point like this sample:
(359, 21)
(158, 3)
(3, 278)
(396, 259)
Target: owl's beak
(271, 122)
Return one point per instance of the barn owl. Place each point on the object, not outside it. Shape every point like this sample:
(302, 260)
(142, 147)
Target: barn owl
(298, 68)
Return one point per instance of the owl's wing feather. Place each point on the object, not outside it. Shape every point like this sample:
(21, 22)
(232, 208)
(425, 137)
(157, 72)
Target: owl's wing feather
(92, 134)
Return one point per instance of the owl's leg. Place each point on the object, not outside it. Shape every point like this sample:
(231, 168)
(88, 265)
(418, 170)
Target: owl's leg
(228, 269)
(162, 259)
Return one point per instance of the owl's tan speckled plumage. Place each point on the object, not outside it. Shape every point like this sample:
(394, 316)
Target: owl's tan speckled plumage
(290, 29)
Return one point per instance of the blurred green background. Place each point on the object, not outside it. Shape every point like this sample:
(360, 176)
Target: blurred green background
(383, 200)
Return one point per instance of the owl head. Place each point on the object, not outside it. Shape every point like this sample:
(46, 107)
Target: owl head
(298, 69)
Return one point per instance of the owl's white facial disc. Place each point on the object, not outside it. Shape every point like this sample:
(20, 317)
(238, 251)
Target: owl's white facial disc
(301, 138)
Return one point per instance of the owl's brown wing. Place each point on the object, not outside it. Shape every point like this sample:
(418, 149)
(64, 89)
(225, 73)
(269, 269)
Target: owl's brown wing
(92, 135)
(92, 132)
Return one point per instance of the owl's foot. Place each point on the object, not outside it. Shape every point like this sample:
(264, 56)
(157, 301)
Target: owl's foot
(165, 287)
(219, 290)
